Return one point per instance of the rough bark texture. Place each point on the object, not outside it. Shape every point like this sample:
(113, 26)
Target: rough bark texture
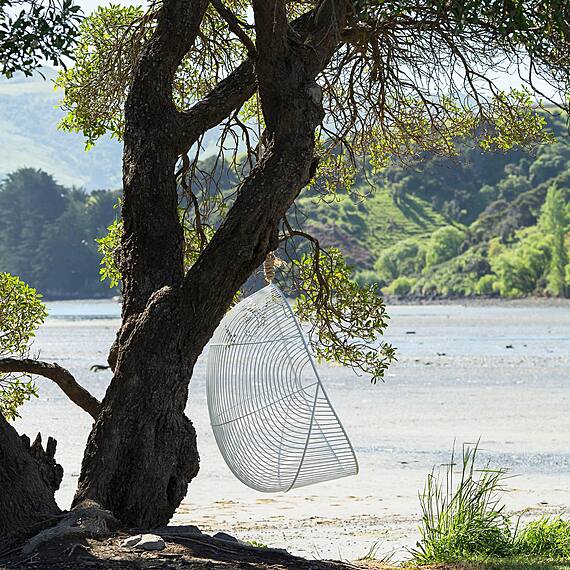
(142, 451)
(29, 476)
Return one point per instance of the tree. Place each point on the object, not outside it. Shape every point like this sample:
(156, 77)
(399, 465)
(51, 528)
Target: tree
(326, 83)
(48, 233)
(29, 472)
(554, 221)
(33, 32)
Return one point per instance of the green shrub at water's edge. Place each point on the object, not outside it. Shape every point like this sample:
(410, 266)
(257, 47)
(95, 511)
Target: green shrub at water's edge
(463, 519)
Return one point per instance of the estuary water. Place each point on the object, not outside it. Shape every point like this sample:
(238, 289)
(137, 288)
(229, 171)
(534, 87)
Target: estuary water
(494, 372)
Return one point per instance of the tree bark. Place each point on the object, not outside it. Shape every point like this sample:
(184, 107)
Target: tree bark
(142, 452)
(61, 376)
(29, 477)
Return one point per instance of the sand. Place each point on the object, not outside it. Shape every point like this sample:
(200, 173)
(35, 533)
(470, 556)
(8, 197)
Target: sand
(496, 372)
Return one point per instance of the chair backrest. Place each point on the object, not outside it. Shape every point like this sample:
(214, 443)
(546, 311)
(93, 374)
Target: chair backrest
(270, 414)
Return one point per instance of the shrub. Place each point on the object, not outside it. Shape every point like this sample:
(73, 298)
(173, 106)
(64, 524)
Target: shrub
(400, 286)
(21, 312)
(444, 244)
(485, 285)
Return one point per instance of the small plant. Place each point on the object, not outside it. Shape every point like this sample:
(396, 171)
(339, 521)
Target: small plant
(547, 538)
(462, 518)
(256, 544)
(374, 555)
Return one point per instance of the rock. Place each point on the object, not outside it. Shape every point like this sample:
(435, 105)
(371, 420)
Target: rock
(144, 542)
(131, 541)
(179, 530)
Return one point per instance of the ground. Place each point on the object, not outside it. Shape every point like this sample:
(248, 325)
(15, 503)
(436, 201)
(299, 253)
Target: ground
(188, 552)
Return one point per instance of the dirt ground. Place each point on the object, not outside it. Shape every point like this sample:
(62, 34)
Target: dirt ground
(181, 552)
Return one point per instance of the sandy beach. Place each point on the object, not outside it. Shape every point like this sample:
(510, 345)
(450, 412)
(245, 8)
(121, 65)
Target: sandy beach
(499, 372)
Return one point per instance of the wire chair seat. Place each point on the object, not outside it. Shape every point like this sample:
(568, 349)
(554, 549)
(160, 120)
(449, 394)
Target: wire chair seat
(272, 420)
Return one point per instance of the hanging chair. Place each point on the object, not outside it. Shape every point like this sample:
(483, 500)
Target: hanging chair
(272, 420)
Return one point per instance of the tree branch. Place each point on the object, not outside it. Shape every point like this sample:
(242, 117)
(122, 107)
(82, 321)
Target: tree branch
(235, 27)
(62, 377)
(228, 95)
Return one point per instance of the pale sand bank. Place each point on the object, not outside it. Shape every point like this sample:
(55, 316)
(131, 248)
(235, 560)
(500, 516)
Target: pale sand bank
(455, 378)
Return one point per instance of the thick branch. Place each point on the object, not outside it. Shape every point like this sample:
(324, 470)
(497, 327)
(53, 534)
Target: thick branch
(228, 95)
(62, 377)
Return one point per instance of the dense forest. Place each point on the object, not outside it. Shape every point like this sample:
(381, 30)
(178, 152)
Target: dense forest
(475, 225)
(48, 233)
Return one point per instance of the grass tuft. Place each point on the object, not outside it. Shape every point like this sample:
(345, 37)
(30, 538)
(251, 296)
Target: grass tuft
(547, 538)
(461, 515)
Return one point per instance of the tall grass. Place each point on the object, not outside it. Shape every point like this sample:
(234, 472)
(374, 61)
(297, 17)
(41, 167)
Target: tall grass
(463, 519)
(462, 516)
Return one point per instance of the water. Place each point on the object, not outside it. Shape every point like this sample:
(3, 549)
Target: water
(499, 373)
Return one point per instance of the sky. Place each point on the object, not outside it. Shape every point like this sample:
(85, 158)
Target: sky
(503, 80)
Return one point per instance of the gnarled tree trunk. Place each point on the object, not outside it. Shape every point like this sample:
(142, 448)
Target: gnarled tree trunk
(29, 478)
(142, 452)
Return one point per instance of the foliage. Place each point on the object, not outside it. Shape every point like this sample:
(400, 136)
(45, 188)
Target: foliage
(547, 537)
(48, 233)
(32, 31)
(108, 247)
(462, 518)
(444, 244)
(555, 221)
(345, 318)
(520, 267)
(401, 286)
(21, 312)
(109, 39)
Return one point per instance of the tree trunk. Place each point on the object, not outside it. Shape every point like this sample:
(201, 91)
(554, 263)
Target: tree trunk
(29, 477)
(142, 451)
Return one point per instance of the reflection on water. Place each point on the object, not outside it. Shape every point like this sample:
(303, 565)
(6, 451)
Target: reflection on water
(500, 373)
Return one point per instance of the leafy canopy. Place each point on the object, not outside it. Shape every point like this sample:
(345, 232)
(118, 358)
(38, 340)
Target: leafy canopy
(21, 312)
(407, 79)
(33, 32)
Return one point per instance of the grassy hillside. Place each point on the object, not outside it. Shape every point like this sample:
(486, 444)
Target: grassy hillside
(29, 137)
(368, 221)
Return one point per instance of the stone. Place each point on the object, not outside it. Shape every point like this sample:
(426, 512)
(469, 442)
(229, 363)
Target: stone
(225, 537)
(144, 542)
(131, 541)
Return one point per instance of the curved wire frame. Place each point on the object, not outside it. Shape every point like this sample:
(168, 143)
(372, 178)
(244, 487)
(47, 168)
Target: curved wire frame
(271, 417)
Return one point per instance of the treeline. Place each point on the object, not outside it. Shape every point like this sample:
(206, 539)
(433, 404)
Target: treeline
(479, 224)
(48, 232)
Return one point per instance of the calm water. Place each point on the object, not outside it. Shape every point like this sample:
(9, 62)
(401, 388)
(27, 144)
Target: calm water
(500, 373)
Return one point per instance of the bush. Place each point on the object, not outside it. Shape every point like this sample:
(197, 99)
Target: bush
(405, 258)
(444, 244)
(21, 312)
(400, 286)
(486, 285)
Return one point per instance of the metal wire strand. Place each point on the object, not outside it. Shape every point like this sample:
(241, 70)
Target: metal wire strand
(272, 420)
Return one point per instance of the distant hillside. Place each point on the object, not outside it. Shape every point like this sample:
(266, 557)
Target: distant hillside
(29, 137)
(479, 224)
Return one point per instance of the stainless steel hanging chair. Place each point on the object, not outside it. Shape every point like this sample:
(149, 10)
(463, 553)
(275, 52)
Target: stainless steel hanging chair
(271, 417)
